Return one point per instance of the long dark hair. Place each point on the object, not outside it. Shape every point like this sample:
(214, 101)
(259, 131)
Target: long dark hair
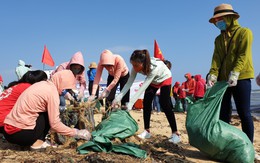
(142, 56)
(30, 77)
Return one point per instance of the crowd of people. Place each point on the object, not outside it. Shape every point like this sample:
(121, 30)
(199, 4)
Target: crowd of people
(31, 106)
(193, 88)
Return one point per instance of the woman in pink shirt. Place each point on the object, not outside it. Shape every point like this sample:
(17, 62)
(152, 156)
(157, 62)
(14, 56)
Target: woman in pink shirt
(118, 73)
(37, 110)
(15, 89)
(76, 65)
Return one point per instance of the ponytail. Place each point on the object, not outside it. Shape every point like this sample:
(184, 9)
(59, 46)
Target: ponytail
(143, 57)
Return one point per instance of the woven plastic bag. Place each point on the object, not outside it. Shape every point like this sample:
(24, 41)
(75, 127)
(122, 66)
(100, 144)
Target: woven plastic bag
(119, 124)
(212, 136)
(178, 106)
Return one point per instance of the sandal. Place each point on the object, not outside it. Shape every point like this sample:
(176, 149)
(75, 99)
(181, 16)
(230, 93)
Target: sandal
(43, 146)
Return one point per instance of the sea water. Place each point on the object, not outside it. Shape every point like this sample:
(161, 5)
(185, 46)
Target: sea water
(254, 105)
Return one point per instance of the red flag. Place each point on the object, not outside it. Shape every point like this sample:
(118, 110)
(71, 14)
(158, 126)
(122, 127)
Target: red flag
(157, 51)
(46, 57)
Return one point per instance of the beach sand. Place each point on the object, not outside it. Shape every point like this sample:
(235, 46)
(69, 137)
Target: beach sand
(158, 148)
(160, 126)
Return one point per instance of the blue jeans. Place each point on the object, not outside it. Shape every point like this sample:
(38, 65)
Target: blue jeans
(62, 98)
(62, 101)
(184, 104)
(242, 96)
(156, 103)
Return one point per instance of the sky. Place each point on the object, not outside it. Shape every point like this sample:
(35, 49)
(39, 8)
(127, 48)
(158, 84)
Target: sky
(181, 28)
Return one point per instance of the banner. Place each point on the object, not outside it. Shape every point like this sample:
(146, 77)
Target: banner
(134, 88)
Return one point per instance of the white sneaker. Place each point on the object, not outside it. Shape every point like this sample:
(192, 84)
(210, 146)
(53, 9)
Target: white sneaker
(175, 139)
(144, 135)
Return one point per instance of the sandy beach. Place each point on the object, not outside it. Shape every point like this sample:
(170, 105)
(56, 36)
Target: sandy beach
(157, 147)
(159, 126)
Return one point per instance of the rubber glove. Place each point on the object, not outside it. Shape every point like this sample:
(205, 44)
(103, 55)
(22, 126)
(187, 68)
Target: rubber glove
(233, 77)
(211, 80)
(104, 94)
(116, 105)
(117, 101)
(185, 90)
(68, 96)
(91, 98)
(80, 95)
(128, 106)
(83, 134)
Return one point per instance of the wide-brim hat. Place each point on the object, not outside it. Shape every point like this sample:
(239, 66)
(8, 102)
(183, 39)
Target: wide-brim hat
(223, 10)
(92, 65)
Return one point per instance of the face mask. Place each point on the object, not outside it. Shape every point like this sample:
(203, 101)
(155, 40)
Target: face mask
(221, 25)
(75, 71)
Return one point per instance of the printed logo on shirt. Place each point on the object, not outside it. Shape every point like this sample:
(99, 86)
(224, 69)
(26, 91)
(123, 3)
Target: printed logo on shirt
(6, 93)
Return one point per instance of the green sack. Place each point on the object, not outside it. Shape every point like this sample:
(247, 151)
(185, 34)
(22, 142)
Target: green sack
(212, 136)
(98, 105)
(119, 124)
(130, 149)
(189, 99)
(178, 106)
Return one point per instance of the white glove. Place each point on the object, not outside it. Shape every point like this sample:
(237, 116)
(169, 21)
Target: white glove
(185, 90)
(68, 96)
(83, 134)
(104, 94)
(117, 101)
(233, 77)
(211, 80)
(80, 95)
(91, 98)
(128, 106)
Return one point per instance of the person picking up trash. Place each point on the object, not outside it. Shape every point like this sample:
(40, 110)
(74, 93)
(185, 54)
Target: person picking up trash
(158, 76)
(37, 110)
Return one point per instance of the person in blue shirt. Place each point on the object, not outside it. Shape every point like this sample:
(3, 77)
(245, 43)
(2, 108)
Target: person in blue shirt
(91, 76)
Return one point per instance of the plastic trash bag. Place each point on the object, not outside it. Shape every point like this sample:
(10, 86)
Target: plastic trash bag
(178, 106)
(120, 125)
(212, 136)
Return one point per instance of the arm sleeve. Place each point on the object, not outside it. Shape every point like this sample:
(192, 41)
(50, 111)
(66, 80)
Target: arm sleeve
(128, 84)
(82, 82)
(244, 51)
(118, 71)
(54, 118)
(148, 80)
